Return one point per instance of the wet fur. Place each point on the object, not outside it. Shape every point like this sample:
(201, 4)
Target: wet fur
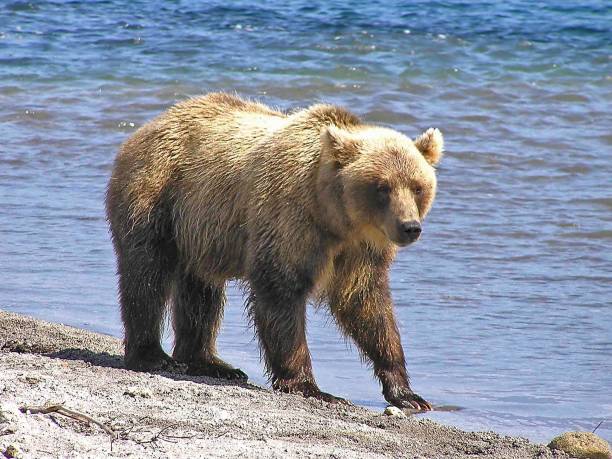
(221, 188)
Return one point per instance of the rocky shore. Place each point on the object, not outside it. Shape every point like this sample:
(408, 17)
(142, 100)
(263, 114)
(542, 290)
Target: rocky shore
(64, 393)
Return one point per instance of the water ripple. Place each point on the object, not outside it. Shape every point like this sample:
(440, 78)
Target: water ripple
(505, 303)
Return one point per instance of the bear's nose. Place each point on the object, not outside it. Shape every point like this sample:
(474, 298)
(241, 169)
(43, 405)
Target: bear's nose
(410, 230)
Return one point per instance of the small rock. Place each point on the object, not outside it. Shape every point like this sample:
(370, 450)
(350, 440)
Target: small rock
(394, 411)
(582, 445)
(12, 451)
(134, 391)
(9, 418)
(32, 380)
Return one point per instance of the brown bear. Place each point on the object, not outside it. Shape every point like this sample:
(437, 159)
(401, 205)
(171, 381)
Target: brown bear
(307, 205)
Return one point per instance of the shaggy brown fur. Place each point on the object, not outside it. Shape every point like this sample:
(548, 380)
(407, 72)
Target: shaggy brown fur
(308, 204)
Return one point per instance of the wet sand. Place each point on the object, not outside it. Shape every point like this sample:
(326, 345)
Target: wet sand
(170, 415)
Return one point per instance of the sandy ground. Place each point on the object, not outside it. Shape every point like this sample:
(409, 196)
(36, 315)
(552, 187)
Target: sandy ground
(170, 415)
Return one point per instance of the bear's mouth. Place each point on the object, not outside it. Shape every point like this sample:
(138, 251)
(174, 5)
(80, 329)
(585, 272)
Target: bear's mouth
(403, 243)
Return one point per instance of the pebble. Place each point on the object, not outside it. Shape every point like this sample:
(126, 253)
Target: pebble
(582, 445)
(394, 411)
(12, 451)
(134, 391)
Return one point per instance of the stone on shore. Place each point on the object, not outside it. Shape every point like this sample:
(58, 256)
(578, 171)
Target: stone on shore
(582, 445)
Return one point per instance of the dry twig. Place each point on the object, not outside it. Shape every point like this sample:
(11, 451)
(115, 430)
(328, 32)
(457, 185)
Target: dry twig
(598, 425)
(60, 409)
(131, 433)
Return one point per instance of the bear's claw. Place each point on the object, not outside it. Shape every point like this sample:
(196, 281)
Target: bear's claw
(153, 360)
(308, 390)
(219, 371)
(408, 399)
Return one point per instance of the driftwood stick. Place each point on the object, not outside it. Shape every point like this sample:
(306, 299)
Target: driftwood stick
(600, 423)
(60, 409)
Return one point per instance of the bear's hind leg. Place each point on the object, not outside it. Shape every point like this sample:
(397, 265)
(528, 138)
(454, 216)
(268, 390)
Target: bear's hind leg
(143, 287)
(198, 310)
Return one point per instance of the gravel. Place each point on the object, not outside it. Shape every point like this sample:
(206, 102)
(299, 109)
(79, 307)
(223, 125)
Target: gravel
(172, 415)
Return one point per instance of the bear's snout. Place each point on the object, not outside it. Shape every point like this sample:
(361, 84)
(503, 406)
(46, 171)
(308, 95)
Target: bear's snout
(408, 232)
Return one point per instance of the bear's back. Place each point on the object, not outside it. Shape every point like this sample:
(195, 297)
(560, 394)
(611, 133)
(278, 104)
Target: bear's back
(219, 104)
(221, 127)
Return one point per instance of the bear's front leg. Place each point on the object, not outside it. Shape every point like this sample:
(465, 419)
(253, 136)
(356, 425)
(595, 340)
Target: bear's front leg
(277, 305)
(360, 300)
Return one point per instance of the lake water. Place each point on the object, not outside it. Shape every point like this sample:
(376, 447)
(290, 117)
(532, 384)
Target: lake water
(505, 304)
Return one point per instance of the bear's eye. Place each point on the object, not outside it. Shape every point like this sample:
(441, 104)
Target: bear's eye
(383, 189)
(418, 191)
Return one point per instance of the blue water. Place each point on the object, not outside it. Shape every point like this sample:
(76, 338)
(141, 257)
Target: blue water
(505, 305)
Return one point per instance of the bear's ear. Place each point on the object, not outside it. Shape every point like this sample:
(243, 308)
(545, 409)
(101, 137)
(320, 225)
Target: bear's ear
(340, 144)
(431, 145)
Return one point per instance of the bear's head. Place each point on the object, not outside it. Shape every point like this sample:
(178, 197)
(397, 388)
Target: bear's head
(384, 183)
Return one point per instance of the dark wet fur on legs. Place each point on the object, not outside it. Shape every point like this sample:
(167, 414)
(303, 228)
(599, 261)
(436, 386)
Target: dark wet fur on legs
(146, 257)
(364, 311)
(277, 307)
(198, 310)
